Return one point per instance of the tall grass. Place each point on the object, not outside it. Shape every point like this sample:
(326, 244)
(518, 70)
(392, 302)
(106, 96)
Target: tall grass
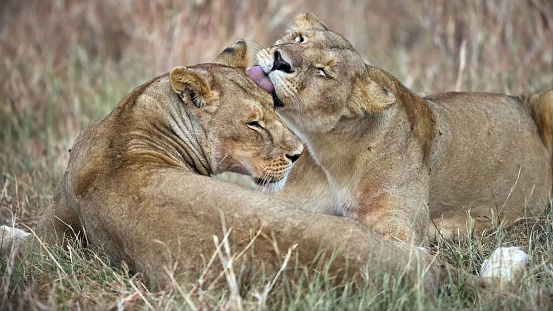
(65, 63)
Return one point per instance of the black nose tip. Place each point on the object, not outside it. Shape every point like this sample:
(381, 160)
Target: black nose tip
(281, 64)
(293, 157)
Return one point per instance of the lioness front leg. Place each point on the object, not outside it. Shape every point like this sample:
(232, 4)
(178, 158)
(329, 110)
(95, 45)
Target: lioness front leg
(59, 222)
(308, 187)
(396, 219)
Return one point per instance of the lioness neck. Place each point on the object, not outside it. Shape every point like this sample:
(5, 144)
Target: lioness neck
(415, 107)
(167, 137)
(360, 158)
(368, 138)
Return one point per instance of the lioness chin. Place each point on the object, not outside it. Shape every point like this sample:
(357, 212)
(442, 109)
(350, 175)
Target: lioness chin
(405, 165)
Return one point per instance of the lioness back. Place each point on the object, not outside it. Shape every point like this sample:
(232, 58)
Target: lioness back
(488, 159)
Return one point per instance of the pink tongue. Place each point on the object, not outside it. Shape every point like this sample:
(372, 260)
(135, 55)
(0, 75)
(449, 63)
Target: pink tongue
(260, 78)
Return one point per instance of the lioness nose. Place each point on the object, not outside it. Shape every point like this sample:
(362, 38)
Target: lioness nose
(281, 64)
(294, 157)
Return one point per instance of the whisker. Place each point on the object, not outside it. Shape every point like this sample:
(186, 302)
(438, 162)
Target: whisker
(256, 43)
(265, 182)
(259, 180)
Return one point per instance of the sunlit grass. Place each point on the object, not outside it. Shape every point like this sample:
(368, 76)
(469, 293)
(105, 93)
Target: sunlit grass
(82, 278)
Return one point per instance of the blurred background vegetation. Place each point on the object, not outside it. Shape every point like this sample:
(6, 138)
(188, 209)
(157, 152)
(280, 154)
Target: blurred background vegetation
(65, 63)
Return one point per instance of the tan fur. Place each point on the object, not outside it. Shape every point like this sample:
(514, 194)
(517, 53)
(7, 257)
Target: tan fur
(540, 106)
(395, 160)
(138, 186)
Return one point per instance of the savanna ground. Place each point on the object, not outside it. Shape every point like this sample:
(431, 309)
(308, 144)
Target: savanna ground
(65, 63)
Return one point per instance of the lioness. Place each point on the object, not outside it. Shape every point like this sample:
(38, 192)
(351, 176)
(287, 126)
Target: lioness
(137, 166)
(138, 184)
(394, 160)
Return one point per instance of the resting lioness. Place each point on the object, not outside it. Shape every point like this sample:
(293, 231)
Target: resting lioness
(137, 169)
(394, 160)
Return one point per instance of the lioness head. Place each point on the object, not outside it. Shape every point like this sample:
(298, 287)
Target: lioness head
(234, 119)
(318, 78)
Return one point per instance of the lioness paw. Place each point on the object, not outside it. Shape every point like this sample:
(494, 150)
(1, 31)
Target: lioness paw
(504, 264)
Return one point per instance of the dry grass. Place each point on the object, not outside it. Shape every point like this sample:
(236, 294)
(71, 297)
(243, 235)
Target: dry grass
(66, 63)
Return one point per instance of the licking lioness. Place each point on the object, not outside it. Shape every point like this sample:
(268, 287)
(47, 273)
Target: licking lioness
(394, 160)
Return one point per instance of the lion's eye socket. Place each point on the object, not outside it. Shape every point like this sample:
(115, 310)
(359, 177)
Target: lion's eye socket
(255, 124)
(299, 39)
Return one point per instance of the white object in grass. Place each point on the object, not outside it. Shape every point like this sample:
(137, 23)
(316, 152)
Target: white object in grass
(11, 236)
(504, 264)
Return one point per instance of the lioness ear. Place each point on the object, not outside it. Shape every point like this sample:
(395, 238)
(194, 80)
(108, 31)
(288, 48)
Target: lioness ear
(235, 55)
(372, 97)
(383, 97)
(305, 21)
(189, 84)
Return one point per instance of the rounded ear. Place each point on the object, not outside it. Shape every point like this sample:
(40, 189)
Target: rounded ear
(382, 97)
(235, 55)
(306, 21)
(190, 84)
(371, 97)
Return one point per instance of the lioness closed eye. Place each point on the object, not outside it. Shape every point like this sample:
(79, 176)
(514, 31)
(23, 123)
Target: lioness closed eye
(394, 160)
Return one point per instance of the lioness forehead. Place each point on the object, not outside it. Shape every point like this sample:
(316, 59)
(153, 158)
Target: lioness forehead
(320, 38)
(322, 48)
